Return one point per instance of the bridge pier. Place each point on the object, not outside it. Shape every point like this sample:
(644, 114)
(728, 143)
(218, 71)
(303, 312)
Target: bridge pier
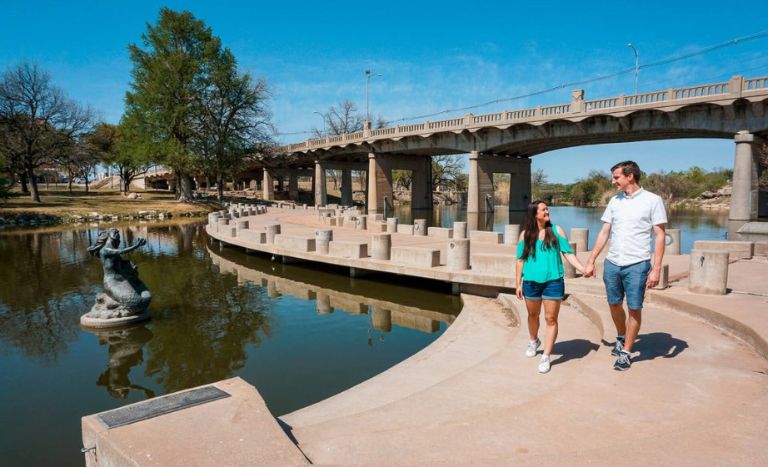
(745, 197)
(293, 185)
(346, 187)
(379, 182)
(267, 186)
(480, 195)
(421, 184)
(321, 193)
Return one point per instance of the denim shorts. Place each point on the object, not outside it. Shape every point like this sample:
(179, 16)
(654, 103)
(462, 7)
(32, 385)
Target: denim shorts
(626, 279)
(550, 290)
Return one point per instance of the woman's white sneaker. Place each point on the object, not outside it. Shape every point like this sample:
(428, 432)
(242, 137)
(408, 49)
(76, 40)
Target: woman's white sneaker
(544, 364)
(532, 347)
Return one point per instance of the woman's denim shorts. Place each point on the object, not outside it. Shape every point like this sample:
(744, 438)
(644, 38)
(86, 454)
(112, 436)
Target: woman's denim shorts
(626, 279)
(550, 290)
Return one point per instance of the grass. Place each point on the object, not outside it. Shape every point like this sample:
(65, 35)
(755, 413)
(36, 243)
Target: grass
(60, 203)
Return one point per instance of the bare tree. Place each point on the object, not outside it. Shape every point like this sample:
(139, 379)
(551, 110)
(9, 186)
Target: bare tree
(341, 119)
(38, 119)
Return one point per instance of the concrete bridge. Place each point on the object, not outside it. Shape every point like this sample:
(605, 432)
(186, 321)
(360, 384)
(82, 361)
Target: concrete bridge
(504, 142)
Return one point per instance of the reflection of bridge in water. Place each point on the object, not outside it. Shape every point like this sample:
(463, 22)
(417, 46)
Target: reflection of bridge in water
(383, 311)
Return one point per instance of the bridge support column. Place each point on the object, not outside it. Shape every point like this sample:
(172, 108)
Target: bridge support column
(267, 187)
(744, 197)
(293, 186)
(321, 193)
(379, 183)
(480, 191)
(520, 185)
(421, 185)
(346, 187)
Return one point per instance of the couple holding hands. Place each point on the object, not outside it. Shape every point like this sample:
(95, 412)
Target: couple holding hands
(629, 219)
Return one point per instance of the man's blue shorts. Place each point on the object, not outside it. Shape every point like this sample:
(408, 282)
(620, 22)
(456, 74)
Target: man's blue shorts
(550, 290)
(629, 279)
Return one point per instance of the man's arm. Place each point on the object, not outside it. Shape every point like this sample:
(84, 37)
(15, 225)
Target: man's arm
(602, 239)
(658, 255)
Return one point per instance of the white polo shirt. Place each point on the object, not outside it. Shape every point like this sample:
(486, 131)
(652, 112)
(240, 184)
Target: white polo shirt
(632, 219)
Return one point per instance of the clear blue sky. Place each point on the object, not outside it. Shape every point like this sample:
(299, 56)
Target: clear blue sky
(432, 56)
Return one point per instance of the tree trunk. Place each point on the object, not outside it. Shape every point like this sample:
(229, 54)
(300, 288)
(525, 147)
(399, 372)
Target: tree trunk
(220, 189)
(24, 186)
(86, 184)
(185, 187)
(34, 193)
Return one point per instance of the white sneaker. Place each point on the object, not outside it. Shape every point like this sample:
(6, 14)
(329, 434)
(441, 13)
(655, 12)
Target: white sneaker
(544, 364)
(532, 347)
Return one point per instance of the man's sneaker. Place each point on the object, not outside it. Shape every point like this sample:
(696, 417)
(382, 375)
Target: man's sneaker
(544, 364)
(618, 347)
(532, 347)
(623, 362)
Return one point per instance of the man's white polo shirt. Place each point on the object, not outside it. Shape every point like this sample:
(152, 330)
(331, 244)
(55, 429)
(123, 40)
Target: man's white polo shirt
(632, 219)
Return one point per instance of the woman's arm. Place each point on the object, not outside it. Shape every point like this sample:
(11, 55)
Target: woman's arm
(570, 257)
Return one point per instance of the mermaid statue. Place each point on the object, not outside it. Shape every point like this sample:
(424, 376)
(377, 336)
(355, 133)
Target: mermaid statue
(125, 298)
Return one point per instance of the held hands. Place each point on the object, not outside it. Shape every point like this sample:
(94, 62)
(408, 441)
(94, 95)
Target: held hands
(589, 270)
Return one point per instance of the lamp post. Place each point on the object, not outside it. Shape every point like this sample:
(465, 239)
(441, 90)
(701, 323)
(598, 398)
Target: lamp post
(637, 63)
(325, 131)
(368, 75)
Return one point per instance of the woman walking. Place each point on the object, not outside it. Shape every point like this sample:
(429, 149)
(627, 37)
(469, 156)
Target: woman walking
(540, 276)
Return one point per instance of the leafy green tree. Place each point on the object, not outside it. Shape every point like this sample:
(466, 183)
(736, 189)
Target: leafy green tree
(169, 76)
(118, 147)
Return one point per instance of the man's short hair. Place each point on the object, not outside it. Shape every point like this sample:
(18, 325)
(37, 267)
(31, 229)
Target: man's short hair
(628, 167)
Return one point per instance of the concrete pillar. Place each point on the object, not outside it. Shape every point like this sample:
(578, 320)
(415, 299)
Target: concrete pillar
(381, 319)
(321, 192)
(458, 254)
(392, 225)
(663, 278)
(272, 230)
(672, 242)
(322, 239)
(379, 182)
(421, 184)
(581, 237)
(293, 186)
(708, 272)
(473, 190)
(346, 187)
(381, 246)
(570, 271)
(511, 234)
(267, 187)
(459, 230)
(362, 223)
(323, 304)
(420, 227)
(744, 197)
(520, 186)
(242, 225)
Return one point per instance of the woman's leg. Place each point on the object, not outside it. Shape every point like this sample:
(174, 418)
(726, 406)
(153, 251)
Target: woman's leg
(551, 311)
(534, 311)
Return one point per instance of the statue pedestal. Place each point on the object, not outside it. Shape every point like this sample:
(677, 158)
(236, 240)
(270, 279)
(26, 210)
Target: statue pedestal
(107, 313)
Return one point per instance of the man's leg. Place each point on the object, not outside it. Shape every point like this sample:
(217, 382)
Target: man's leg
(633, 328)
(619, 318)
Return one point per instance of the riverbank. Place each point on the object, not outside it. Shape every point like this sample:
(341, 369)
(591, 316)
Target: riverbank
(60, 206)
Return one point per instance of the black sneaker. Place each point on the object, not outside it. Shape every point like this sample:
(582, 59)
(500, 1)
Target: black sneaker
(623, 362)
(617, 348)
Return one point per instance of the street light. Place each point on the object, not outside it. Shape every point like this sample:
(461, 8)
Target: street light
(325, 132)
(368, 75)
(637, 63)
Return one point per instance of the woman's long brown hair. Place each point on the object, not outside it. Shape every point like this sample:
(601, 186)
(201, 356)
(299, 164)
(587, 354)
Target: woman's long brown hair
(531, 234)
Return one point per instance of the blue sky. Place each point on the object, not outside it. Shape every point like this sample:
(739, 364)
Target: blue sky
(432, 56)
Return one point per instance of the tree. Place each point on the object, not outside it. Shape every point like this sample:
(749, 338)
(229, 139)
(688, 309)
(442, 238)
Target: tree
(232, 120)
(447, 170)
(169, 75)
(117, 147)
(37, 120)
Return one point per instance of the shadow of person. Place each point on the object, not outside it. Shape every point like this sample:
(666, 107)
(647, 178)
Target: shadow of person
(572, 349)
(657, 345)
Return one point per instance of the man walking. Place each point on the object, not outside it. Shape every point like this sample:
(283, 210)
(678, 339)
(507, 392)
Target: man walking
(629, 218)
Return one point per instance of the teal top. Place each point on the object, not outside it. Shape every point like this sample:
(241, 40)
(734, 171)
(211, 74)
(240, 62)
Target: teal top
(547, 264)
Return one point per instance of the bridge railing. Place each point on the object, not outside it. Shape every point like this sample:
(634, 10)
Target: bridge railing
(736, 86)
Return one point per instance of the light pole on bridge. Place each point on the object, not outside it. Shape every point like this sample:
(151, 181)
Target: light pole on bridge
(325, 131)
(637, 63)
(368, 75)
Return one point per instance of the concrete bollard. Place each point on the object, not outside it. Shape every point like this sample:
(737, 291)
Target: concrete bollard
(570, 271)
(381, 319)
(324, 304)
(581, 237)
(708, 272)
(322, 239)
(458, 254)
(459, 230)
(361, 223)
(392, 225)
(663, 278)
(672, 242)
(381, 246)
(420, 227)
(272, 230)
(242, 225)
(511, 234)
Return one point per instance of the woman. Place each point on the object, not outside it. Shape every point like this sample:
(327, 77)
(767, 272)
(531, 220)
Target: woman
(540, 275)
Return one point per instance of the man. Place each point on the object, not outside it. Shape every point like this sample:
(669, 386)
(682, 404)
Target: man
(629, 219)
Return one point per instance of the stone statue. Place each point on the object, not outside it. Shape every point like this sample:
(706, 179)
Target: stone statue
(125, 298)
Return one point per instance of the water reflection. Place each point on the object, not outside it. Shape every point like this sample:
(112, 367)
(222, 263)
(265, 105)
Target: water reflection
(125, 352)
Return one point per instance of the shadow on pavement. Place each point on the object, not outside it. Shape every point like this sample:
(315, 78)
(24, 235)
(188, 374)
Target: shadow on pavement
(572, 349)
(657, 345)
